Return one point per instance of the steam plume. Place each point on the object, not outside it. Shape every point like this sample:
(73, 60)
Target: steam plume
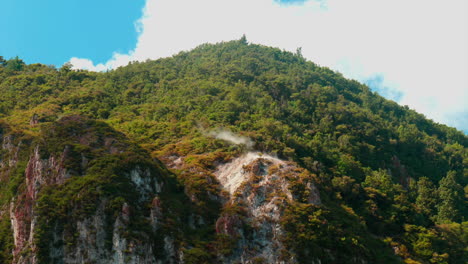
(231, 137)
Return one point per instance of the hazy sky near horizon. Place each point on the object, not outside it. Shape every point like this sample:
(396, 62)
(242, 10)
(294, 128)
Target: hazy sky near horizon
(414, 52)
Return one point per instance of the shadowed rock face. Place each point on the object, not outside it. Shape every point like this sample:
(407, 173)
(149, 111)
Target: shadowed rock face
(61, 214)
(39, 172)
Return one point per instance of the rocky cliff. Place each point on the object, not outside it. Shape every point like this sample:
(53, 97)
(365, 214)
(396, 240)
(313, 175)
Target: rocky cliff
(94, 198)
(84, 194)
(258, 185)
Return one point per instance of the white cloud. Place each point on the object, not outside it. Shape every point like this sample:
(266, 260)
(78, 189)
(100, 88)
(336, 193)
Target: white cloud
(116, 61)
(420, 47)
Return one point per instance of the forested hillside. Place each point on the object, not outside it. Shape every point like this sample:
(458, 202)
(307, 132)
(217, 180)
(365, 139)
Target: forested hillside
(348, 176)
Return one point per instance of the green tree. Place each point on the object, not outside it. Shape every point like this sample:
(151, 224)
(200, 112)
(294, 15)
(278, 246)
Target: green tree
(243, 40)
(379, 180)
(66, 67)
(299, 52)
(451, 199)
(427, 198)
(15, 64)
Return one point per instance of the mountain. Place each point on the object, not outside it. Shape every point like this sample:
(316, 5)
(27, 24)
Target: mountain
(228, 153)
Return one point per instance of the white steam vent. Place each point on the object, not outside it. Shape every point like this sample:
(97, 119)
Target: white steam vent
(229, 136)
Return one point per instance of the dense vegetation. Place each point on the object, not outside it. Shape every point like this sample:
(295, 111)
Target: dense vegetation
(389, 177)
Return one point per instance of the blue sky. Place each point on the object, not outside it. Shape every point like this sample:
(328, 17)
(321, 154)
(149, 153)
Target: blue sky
(52, 31)
(413, 52)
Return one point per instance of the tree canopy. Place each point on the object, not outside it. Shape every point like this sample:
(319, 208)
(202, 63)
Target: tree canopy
(388, 175)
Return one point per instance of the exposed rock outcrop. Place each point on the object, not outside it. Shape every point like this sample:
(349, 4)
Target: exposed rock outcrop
(259, 184)
(111, 223)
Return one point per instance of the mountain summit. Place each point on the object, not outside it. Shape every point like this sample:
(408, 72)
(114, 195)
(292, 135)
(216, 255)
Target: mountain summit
(228, 153)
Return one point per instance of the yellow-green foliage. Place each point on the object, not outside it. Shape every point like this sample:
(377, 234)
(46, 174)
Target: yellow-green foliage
(373, 161)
